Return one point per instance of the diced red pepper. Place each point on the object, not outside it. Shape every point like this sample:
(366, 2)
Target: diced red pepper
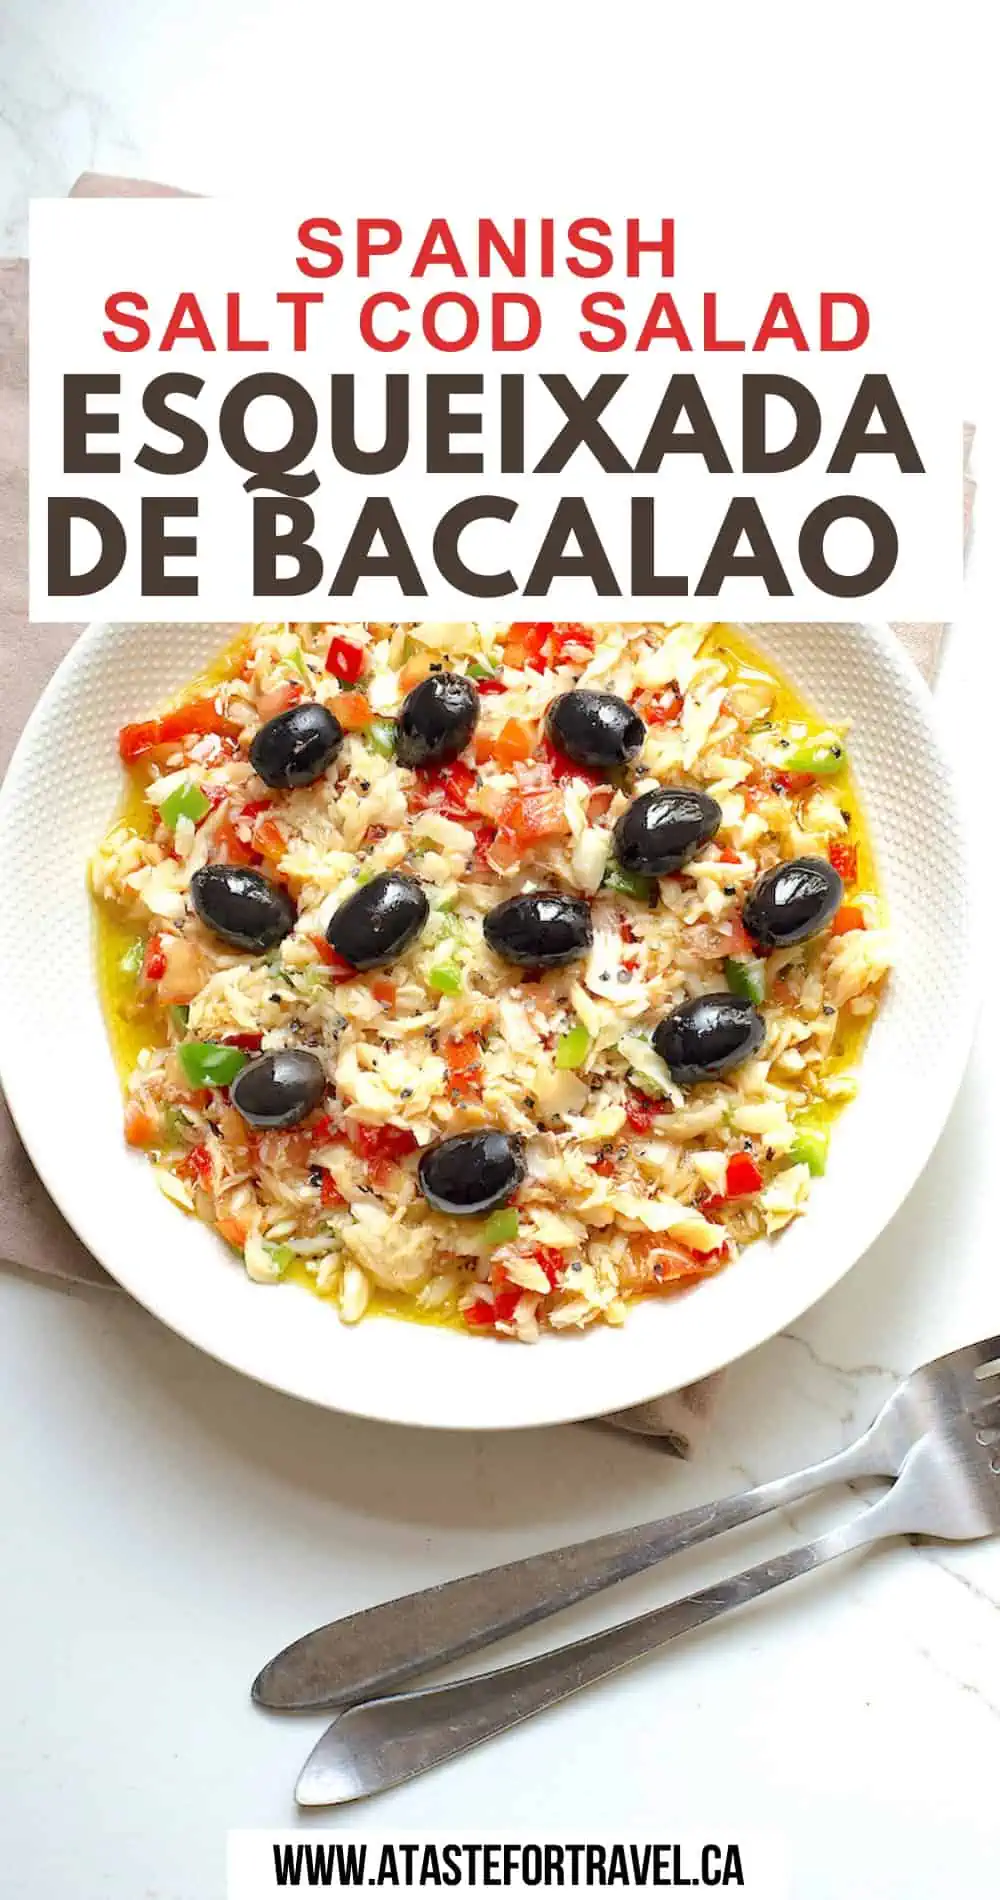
(742, 1176)
(844, 858)
(465, 1075)
(793, 783)
(505, 1303)
(490, 686)
(340, 970)
(329, 1194)
(849, 917)
(551, 1262)
(345, 660)
(729, 856)
(641, 1110)
(480, 1313)
(155, 964)
(246, 1039)
(570, 641)
(605, 1166)
(384, 990)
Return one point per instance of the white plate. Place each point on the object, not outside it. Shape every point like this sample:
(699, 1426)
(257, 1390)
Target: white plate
(60, 793)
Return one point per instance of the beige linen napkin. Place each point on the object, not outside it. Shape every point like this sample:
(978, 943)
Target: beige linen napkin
(33, 1234)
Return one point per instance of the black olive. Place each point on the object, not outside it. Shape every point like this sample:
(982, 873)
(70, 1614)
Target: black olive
(470, 1174)
(540, 929)
(295, 747)
(595, 729)
(663, 829)
(708, 1036)
(278, 1090)
(793, 901)
(437, 720)
(242, 906)
(378, 922)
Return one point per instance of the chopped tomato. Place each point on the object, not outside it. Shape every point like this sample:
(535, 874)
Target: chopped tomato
(235, 1229)
(641, 1110)
(604, 1165)
(353, 711)
(844, 858)
(600, 799)
(269, 705)
(728, 856)
(227, 841)
(329, 1194)
(465, 1075)
(524, 644)
(269, 839)
(490, 686)
(415, 669)
(551, 1262)
(504, 851)
(531, 815)
(480, 1313)
(384, 990)
(196, 1165)
(198, 716)
(245, 1039)
(345, 660)
(515, 741)
(340, 970)
(141, 1128)
(849, 917)
(663, 711)
(155, 964)
(739, 941)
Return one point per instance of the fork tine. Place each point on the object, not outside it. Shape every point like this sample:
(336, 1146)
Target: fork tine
(976, 1363)
(988, 1413)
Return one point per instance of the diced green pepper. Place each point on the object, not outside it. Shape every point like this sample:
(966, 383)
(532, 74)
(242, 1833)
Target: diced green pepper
(810, 1146)
(501, 1226)
(573, 1048)
(629, 883)
(381, 736)
(282, 1256)
(822, 757)
(210, 1064)
(746, 977)
(447, 978)
(185, 801)
(179, 1013)
(479, 672)
(134, 958)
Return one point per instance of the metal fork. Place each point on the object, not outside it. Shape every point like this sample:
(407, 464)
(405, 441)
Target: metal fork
(379, 1649)
(949, 1488)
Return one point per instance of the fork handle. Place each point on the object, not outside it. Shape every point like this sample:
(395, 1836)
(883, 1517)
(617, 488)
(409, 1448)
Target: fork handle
(377, 1745)
(378, 1649)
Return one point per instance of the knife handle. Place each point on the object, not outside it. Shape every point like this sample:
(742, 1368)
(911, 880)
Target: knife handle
(374, 1651)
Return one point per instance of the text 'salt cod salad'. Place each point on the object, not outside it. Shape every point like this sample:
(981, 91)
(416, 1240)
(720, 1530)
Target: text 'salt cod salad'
(491, 975)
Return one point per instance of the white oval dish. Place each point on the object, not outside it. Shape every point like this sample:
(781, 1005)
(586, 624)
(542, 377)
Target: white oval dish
(55, 1063)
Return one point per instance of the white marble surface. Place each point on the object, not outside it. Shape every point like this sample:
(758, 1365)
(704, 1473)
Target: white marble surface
(168, 1525)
